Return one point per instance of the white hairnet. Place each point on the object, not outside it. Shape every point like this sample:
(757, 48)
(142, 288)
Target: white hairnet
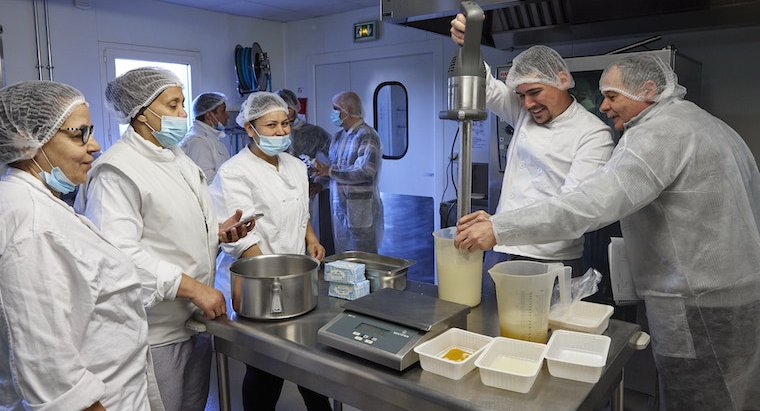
(538, 64)
(290, 99)
(137, 88)
(258, 104)
(642, 77)
(206, 102)
(349, 102)
(31, 112)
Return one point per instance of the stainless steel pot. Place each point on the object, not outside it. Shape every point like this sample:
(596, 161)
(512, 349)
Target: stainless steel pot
(274, 286)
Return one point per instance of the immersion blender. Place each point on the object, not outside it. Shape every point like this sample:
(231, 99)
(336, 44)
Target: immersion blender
(467, 97)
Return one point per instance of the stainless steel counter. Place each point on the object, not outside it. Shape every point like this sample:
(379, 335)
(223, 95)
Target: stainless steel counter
(289, 349)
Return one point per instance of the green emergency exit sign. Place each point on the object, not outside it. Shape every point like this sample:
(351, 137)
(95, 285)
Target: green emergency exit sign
(366, 30)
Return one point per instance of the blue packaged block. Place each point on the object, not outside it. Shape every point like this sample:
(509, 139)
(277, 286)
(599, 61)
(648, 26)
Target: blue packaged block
(349, 291)
(344, 272)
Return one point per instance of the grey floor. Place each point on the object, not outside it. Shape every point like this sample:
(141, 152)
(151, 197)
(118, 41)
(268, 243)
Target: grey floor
(290, 399)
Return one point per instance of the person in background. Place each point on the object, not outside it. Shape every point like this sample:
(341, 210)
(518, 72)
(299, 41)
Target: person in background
(202, 143)
(307, 139)
(265, 179)
(354, 171)
(555, 145)
(74, 331)
(152, 201)
(687, 190)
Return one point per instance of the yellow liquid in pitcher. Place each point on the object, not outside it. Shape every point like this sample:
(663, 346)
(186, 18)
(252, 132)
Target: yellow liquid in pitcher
(524, 325)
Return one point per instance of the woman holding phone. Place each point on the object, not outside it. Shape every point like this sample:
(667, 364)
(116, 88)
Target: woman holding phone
(263, 178)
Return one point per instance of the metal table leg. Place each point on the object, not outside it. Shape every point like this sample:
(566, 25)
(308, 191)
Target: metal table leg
(223, 381)
(617, 395)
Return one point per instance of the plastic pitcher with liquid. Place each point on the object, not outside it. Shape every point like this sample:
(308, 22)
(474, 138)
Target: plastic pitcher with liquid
(459, 271)
(523, 296)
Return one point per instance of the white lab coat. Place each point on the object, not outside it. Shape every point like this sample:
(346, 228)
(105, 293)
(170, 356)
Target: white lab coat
(251, 184)
(687, 192)
(202, 145)
(153, 204)
(73, 325)
(544, 160)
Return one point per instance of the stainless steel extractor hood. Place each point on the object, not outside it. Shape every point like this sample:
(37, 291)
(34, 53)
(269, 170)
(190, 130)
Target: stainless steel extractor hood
(518, 23)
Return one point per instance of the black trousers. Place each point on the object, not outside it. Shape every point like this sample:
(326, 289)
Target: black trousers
(261, 390)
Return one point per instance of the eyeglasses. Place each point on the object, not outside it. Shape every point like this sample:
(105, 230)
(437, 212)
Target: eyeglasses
(86, 131)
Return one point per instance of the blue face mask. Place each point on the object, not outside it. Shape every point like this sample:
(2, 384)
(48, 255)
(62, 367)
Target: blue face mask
(173, 130)
(272, 146)
(218, 126)
(55, 179)
(335, 118)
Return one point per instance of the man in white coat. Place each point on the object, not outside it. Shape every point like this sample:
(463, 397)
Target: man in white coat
(556, 144)
(203, 142)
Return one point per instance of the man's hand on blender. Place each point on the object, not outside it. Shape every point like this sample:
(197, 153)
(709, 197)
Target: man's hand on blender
(475, 232)
(457, 29)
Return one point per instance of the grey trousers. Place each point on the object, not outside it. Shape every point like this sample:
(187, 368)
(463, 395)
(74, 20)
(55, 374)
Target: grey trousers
(182, 372)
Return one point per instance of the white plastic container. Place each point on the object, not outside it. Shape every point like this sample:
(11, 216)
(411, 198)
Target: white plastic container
(511, 364)
(577, 356)
(582, 316)
(431, 352)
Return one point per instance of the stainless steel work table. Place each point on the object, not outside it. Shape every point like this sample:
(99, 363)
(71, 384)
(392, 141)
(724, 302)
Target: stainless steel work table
(289, 349)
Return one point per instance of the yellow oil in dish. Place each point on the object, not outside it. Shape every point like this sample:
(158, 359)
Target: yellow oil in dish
(514, 365)
(456, 354)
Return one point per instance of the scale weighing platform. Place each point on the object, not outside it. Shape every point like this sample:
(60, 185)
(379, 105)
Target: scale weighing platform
(386, 325)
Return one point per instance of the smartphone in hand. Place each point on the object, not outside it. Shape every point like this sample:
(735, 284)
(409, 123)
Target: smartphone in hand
(242, 227)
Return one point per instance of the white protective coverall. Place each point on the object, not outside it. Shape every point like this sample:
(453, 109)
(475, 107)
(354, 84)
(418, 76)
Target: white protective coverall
(544, 160)
(357, 220)
(73, 325)
(248, 183)
(153, 203)
(202, 144)
(688, 191)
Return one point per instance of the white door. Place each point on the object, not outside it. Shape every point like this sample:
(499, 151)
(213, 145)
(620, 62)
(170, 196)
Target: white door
(412, 174)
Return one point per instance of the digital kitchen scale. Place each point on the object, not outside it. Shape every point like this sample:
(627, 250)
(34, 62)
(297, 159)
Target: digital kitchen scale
(386, 325)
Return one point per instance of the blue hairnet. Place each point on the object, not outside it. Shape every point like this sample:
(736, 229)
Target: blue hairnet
(206, 102)
(258, 104)
(31, 112)
(538, 64)
(137, 88)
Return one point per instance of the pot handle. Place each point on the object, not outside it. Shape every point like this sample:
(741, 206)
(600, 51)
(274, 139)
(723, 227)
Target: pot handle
(276, 296)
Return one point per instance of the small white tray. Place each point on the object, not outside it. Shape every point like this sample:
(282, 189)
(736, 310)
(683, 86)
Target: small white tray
(582, 316)
(511, 364)
(431, 352)
(577, 356)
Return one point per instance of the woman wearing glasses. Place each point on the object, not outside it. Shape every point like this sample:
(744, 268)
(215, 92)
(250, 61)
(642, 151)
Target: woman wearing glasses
(73, 331)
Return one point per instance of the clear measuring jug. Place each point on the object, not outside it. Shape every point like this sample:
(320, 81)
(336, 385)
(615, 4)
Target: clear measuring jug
(523, 296)
(459, 271)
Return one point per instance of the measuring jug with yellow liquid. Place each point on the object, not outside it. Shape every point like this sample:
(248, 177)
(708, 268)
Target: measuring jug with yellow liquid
(523, 296)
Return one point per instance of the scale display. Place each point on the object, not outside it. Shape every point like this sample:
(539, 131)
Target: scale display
(385, 326)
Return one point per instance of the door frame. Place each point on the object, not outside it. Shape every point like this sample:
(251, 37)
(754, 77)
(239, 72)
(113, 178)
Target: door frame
(433, 47)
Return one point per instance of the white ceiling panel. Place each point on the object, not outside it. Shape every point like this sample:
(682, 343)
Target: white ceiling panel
(278, 10)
